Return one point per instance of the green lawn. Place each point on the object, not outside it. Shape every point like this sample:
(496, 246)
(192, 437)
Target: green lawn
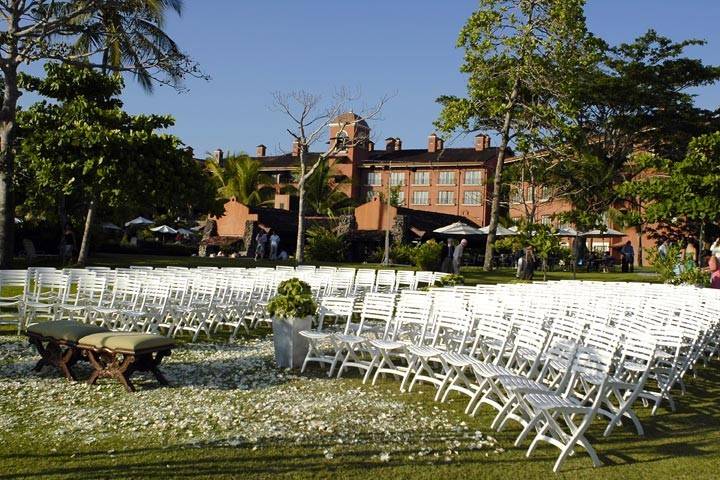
(221, 420)
(231, 414)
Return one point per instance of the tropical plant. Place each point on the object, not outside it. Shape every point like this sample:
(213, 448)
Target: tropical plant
(427, 255)
(294, 300)
(241, 177)
(402, 253)
(671, 269)
(324, 245)
(125, 33)
(324, 190)
(450, 281)
(39, 31)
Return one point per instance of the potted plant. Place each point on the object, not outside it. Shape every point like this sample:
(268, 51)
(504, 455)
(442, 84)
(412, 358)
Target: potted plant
(292, 311)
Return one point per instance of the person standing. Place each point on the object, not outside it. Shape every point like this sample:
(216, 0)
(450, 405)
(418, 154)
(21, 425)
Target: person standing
(446, 264)
(68, 247)
(628, 257)
(457, 256)
(529, 262)
(689, 255)
(715, 248)
(260, 241)
(714, 269)
(664, 248)
(274, 243)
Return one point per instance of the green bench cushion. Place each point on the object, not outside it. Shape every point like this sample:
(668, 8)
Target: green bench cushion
(67, 330)
(126, 341)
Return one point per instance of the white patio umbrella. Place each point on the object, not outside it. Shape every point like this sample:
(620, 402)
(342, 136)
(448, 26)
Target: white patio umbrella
(139, 222)
(597, 233)
(458, 228)
(17, 221)
(164, 229)
(500, 232)
(185, 232)
(566, 232)
(110, 226)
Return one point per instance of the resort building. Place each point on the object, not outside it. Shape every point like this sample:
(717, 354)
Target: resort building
(436, 179)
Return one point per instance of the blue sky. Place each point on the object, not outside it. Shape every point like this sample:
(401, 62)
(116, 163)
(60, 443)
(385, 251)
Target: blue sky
(406, 47)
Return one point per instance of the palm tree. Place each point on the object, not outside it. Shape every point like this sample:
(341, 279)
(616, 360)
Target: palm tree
(240, 177)
(130, 36)
(324, 191)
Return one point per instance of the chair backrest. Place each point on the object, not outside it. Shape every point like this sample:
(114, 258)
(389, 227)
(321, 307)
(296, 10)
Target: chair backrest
(412, 314)
(385, 281)
(339, 308)
(405, 279)
(378, 308)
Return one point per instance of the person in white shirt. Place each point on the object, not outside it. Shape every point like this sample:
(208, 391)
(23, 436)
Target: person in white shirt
(715, 248)
(274, 243)
(457, 256)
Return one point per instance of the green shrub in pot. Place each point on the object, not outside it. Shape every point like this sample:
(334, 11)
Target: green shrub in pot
(294, 300)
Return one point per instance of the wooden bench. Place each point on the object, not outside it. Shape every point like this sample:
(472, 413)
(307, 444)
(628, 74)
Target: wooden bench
(119, 355)
(56, 342)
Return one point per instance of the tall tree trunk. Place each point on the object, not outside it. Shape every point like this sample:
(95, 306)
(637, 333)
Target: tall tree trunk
(299, 245)
(62, 216)
(641, 230)
(7, 164)
(85, 245)
(497, 181)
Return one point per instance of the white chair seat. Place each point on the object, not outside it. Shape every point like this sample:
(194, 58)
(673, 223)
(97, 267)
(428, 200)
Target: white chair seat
(104, 310)
(424, 351)
(313, 335)
(517, 382)
(387, 344)
(458, 359)
(349, 339)
(489, 370)
(544, 401)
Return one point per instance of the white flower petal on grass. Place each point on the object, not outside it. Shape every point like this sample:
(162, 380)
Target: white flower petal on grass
(229, 395)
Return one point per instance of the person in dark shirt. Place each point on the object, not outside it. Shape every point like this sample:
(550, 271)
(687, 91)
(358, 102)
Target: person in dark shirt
(447, 256)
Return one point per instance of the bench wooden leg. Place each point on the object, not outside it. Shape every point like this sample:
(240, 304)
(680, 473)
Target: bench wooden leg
(122, 366)
(54, 355)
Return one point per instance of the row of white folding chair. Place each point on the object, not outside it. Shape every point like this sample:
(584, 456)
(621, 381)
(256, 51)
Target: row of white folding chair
(12, 303)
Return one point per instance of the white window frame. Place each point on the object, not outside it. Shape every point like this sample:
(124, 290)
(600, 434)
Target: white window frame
(427, 176)
(393, 183)
(401, 198)
(479, 180)
(427, 197)
(367, 179)
(479, 195)
(451, 197)
(446, 172)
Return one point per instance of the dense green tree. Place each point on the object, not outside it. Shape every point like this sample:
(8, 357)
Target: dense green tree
(48, 30)
(522, 58)
(640, 98)
(84, 147)
(241, 177)
(687, 189)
